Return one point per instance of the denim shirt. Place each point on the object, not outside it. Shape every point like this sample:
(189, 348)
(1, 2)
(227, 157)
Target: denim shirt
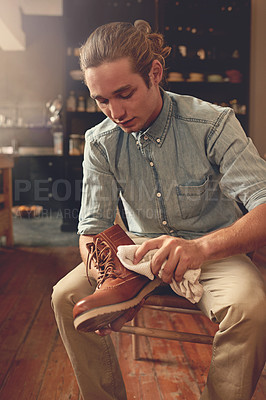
(183, 176)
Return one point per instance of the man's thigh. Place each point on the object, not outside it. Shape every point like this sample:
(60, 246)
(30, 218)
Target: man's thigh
(75, 284)
(230, 281)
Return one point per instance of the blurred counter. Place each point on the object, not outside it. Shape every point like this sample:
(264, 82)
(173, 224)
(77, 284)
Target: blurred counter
(29, 151)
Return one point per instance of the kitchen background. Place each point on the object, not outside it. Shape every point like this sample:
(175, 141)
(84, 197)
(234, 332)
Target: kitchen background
(43, 126)
(38, 70)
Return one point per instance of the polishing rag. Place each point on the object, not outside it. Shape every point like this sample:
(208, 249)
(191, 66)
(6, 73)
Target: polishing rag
(189, 287)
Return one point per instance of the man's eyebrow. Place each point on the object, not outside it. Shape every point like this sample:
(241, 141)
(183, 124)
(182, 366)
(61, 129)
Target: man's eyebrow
(96, 97)
(120, 90)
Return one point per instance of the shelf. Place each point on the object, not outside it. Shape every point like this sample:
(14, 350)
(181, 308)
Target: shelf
(74, 157)
(25, 127)
(206, 84)
(212, 91)
(210, 37)
(30, 151)
(218, 64)
(215, 88)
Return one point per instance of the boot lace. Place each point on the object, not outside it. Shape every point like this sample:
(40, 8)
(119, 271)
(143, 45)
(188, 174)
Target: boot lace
(101, 254)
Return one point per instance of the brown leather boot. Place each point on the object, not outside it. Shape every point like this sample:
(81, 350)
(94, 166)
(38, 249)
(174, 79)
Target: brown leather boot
(118, 289)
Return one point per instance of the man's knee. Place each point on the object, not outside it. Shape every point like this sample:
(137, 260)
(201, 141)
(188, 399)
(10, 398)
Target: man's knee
(248, 313)
(72, 288)
(249, 298)
(254, 312)
(60, 296)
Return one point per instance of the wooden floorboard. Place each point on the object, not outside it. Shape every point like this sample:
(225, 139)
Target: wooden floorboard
(58, 381)
(33, 361)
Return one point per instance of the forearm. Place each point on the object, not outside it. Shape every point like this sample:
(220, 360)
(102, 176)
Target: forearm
(244, 236)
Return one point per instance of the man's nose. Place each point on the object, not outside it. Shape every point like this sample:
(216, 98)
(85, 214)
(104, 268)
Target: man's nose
(117, 111)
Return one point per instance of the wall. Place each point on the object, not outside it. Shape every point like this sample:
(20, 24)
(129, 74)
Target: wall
(257, 127)
(30, 78)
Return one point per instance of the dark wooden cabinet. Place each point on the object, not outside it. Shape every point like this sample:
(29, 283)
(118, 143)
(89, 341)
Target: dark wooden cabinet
(40, 180)
(70, 208)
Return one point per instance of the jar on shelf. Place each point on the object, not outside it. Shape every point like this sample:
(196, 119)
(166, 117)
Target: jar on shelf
(71, 102)
(81, 106)
(91, 105)
(76, 144)
(58, 142)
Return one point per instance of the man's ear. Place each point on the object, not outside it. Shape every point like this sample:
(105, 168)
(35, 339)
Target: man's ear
(156, 72)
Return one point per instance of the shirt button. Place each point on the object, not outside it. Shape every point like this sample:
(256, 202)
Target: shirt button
(164, 222)
(158, 194)
(151, 164)
(158, 140)
(145, 137)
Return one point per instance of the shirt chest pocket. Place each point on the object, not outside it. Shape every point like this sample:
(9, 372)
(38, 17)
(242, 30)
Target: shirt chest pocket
(192, 199)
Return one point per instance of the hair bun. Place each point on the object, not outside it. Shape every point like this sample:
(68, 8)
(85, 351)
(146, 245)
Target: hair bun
(142, 26)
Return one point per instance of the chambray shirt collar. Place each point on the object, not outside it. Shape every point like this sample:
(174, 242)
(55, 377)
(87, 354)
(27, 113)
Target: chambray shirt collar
(157, 131)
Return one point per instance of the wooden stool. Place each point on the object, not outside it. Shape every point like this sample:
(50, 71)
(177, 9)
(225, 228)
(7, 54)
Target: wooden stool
(6, 225)
(164, 299)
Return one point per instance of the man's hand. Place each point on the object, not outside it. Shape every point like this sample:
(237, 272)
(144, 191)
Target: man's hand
(179, 254)
(116, 325)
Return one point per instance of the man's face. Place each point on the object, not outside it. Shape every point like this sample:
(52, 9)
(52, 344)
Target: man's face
(123, 96)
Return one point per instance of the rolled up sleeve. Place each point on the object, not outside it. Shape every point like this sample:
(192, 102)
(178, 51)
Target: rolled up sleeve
(243, 170)
(99, 191)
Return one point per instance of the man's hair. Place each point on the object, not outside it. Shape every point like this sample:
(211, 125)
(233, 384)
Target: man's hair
(118, 40)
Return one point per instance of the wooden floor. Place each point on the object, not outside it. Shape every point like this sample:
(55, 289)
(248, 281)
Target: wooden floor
(33, 362)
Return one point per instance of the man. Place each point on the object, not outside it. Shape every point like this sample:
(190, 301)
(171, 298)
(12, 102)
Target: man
(179, 165)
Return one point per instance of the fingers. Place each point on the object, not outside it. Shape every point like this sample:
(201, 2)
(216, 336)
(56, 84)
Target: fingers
(179, 272)
(166, 260)
(150, 244)
(173, 257)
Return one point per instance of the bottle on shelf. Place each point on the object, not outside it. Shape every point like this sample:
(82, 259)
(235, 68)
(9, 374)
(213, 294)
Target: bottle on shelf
(71, 103)
(91, 105)
(76, 144)
(81, 106)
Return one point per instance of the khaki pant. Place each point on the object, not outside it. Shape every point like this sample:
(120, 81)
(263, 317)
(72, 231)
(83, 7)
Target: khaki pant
(234, 296)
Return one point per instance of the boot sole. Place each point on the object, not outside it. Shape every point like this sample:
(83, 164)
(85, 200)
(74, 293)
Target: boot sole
(91, 320)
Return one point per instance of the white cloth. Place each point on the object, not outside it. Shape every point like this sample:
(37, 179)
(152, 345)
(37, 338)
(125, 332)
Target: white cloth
(189, 287)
